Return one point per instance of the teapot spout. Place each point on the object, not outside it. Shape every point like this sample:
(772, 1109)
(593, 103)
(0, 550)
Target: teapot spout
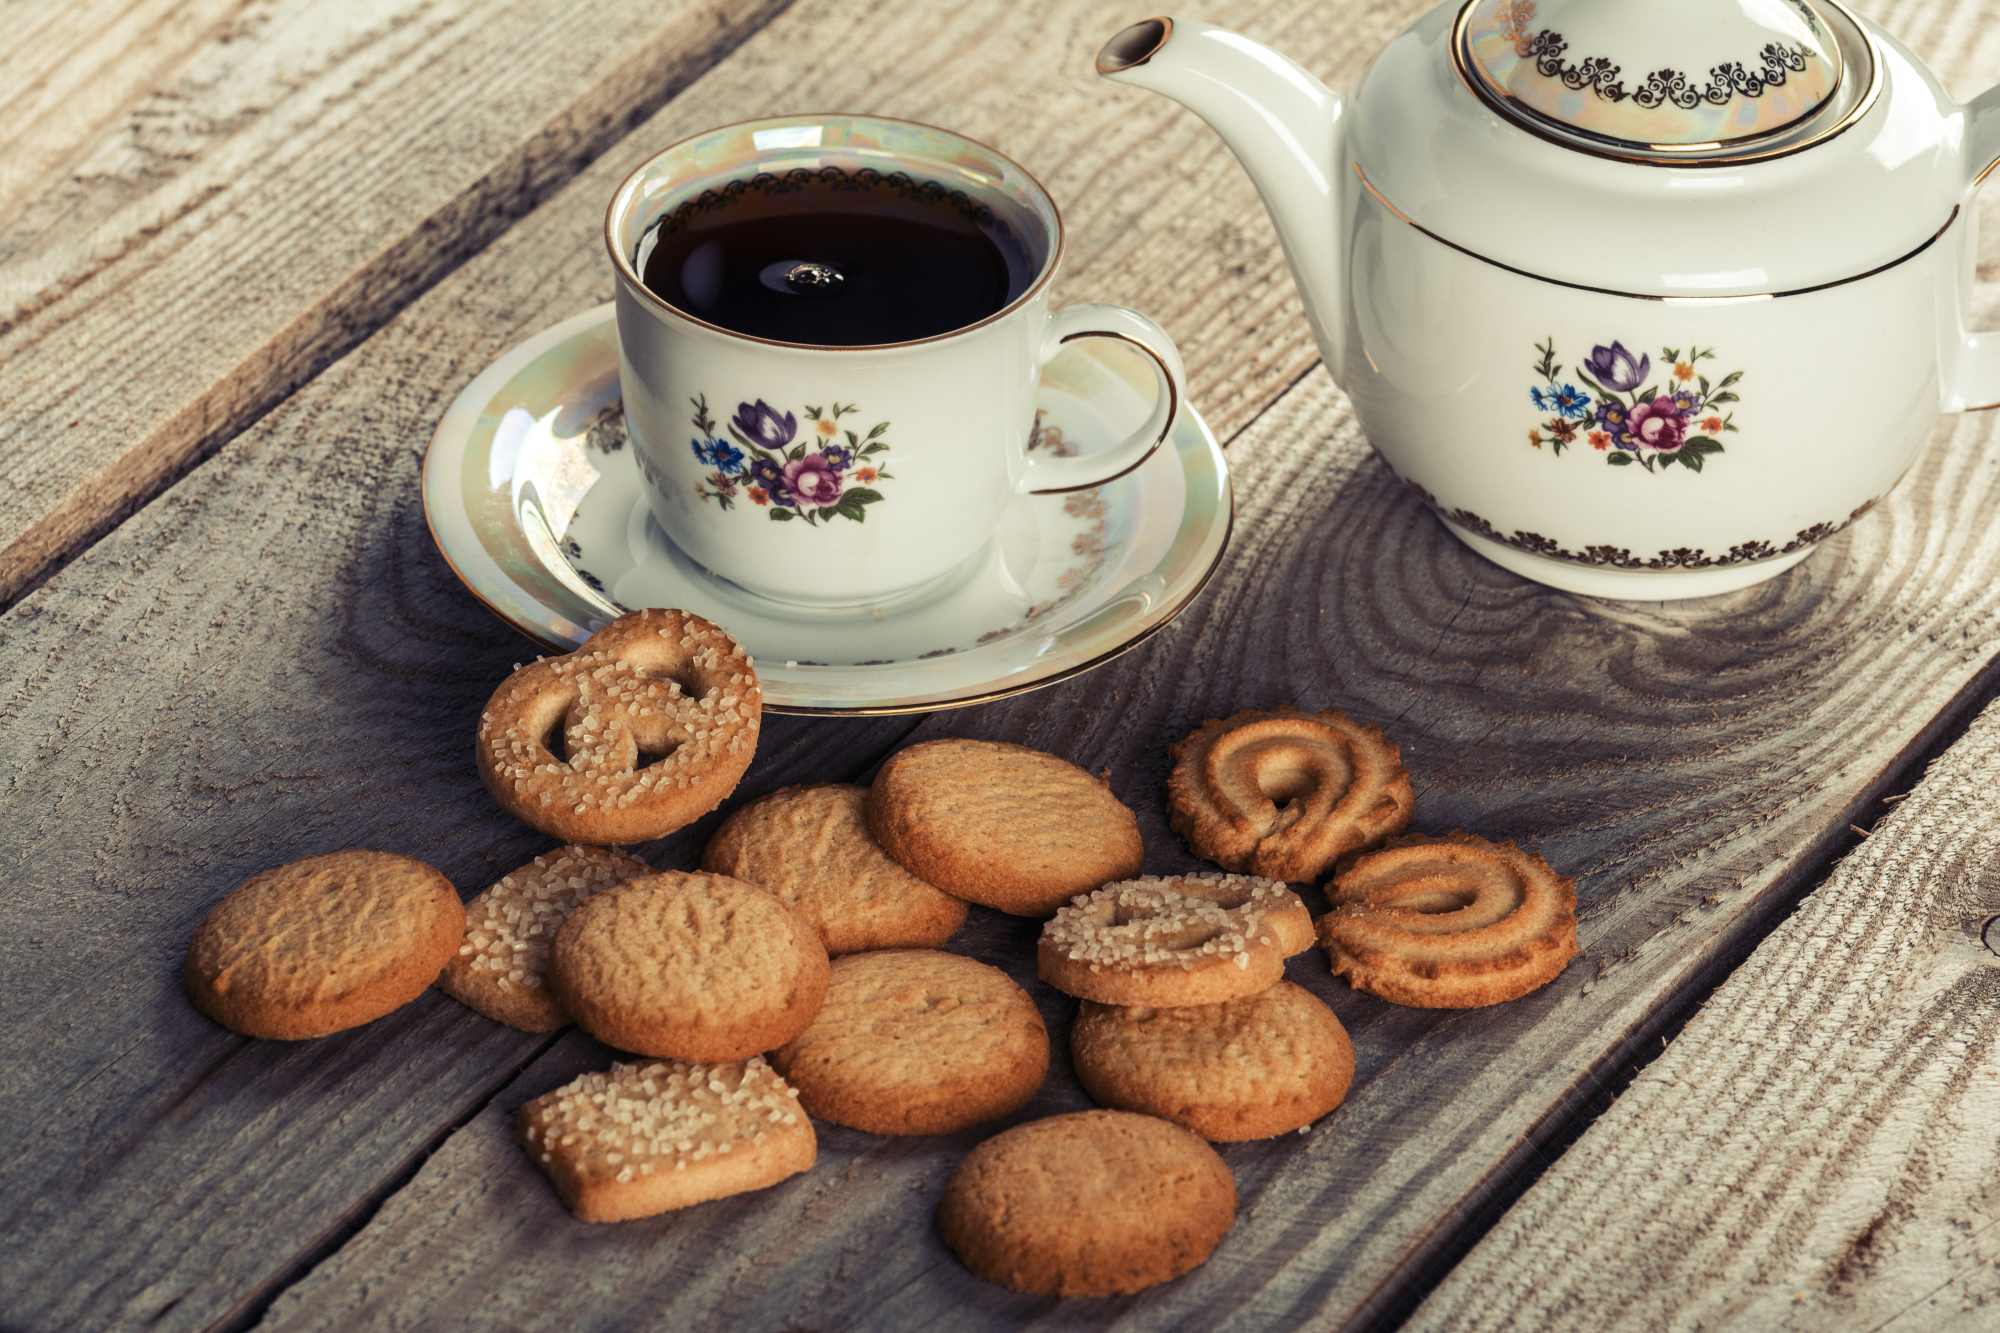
(1284, 126)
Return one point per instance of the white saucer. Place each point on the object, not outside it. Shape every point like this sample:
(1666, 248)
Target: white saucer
(533, 499)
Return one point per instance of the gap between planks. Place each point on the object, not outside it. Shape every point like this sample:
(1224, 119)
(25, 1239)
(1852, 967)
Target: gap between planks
(1423, 540)
(1824, 1175)
(1599, 1092)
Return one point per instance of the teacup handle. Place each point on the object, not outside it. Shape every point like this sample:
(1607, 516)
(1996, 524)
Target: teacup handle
(1976, 386)
(1052, 476)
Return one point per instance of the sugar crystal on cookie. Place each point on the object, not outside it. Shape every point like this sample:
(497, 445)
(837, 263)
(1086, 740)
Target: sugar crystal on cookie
(618, 741)
(1174, 940)
(624, 1125)
(512, 924)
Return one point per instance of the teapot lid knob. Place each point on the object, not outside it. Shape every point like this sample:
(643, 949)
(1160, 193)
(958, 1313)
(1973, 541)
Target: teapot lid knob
(1661, 81)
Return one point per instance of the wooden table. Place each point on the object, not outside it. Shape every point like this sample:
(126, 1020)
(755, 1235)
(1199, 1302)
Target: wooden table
(248, 252)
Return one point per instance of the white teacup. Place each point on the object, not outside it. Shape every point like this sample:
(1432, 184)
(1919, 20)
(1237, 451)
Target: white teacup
(831, 476)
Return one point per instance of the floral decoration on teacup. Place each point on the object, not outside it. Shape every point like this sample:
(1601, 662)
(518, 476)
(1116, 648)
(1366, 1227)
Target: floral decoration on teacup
(829, 473)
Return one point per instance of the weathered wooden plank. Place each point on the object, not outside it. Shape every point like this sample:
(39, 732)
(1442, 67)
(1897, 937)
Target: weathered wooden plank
(1687, 762)
(73, 68)
(1817, 1149)
(269, 660)
(288, 187)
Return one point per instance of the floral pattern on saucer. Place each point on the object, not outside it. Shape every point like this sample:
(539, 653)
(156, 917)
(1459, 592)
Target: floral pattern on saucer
(816, 479)
(1653, 426)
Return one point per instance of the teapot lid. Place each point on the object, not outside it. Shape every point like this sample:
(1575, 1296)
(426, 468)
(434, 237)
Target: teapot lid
(1692, 81)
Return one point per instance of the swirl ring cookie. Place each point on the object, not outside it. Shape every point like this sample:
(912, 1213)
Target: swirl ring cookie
(1285, 793)
(1093, 1203)
(689, 967)
(1001, 825)
(1252, 1068)
(1168, 941)
(1449, 923)
(641, 731)
(916, 1041)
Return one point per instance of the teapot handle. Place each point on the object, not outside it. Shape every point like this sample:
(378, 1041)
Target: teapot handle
(1976, 387)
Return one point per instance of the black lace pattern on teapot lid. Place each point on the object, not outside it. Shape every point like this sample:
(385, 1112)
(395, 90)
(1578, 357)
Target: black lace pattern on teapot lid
(1655, 78)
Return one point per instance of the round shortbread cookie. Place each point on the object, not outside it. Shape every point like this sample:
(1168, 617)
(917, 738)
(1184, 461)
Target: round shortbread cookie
(642, 1139)
(1449, 923)
(811, 847)
(689, 967)
(323, 944)
(1285, 793)
(1001, 825)
(1094, 1203)
(1173, 940)
(642, 730)
(913, 1041)
(1252, 1068)
(501, 969)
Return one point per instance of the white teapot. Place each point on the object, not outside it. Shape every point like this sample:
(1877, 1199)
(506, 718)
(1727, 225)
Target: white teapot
(1645, 300)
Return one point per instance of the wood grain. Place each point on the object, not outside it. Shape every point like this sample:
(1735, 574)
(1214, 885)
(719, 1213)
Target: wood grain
(270, 660)
(74, 68)
(1817, 1149)
(287, 187)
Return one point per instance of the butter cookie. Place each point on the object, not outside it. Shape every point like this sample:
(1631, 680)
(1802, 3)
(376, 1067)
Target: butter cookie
(1449, 923)
(1174, 940)
(324, 944)
(1094, 1203)
(501, 969)
(647, 1138)
(914, 1041)
(690, 967)
(1251, 1068)
(1001, 825)
(1285, 793)
(811, 847)
(641, 731)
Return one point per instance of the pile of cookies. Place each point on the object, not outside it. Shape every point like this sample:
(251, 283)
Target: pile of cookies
(798, 975)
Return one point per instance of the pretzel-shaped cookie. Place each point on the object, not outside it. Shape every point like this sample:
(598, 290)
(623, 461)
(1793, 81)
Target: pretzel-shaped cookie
(1285, 793)
(1449, 923)
(656, 716)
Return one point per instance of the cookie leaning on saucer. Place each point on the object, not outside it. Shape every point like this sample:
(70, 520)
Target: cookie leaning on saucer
(1285, 793)
(1449, 923)
(1252, 1068)
(915, 1041)
(641, 731)
(324, 944)
(690, 967)
(1001, 825)
(1173, 940)
(501, 969)
(647, 1138)
(811, 847)
(1094, 1203)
